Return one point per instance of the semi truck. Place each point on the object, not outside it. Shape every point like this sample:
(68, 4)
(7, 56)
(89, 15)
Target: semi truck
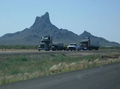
(46, 43)
(88, 43)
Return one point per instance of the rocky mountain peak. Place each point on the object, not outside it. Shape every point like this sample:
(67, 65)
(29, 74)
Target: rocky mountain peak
(44, 19)
(86, 34)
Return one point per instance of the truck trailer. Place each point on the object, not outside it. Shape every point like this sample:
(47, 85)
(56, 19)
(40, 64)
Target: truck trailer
(58, 46)
(47, 44)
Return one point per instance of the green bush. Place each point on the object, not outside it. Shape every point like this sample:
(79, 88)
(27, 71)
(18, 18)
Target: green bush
(15, 71)
(112, 47)
(18, 46)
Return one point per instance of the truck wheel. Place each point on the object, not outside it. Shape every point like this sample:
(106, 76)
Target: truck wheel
(96, 48)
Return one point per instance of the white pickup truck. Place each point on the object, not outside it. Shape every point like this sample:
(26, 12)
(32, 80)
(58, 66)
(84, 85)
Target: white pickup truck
(73, 46)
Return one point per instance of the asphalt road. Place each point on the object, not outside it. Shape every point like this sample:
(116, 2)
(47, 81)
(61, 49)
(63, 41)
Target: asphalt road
(10, 52)
(101, 77)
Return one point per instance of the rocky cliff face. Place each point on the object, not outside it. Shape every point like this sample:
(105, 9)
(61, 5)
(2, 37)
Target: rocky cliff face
(43, 27)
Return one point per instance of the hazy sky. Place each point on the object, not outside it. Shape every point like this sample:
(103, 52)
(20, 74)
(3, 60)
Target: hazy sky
(99, 17)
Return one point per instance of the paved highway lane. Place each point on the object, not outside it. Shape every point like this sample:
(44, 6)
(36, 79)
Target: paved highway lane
(101, 77)
(17, 52)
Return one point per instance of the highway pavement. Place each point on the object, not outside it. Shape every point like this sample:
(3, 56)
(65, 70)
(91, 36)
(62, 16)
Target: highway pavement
(15, 52)
(100, 77)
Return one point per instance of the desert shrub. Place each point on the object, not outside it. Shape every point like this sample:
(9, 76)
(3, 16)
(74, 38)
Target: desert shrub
(18, 59)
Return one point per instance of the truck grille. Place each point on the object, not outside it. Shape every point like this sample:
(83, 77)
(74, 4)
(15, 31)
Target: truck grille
(42, 46)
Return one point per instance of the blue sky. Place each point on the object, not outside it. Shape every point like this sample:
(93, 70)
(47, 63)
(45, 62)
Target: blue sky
(99, 17)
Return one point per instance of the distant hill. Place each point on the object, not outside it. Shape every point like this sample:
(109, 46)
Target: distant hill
(43, 27)
(102, 41)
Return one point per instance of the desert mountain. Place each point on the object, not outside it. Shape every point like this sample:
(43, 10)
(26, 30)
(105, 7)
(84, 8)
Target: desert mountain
(43, 27)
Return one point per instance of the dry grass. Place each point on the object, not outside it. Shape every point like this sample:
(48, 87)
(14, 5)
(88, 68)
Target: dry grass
(22, 67)
(61, 67)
